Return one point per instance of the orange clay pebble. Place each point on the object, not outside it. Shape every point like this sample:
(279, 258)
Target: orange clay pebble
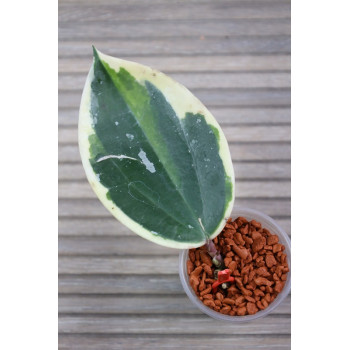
(256, 260)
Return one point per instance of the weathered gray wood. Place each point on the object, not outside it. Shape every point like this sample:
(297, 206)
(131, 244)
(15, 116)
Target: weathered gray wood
(201, 80)
(91, 226)
(150, 342)
(199, 324)
(167, 28)
(254, 189)
(109, 226)
(122, 246)
(186, 46)
(119, 265)
(92, 11)
(233, 134)
(234, 55)
(190, 64)
(244, 189)
(239, 152)
(243, 171)
(134, 305)
(120, 284)
(224, 115)
(94, 208)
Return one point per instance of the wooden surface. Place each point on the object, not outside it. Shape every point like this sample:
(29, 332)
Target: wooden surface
(117, 290)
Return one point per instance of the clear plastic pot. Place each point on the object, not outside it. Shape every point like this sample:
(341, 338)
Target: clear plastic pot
(274, 228)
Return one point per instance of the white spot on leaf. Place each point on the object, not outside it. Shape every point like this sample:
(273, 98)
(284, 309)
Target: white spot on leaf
(130, 136)
(146, 162)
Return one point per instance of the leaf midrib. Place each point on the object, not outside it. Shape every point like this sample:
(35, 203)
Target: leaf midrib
(150, 199)
(166, 170)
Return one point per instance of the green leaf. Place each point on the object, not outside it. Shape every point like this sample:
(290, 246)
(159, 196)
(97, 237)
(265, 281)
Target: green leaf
(154, 155)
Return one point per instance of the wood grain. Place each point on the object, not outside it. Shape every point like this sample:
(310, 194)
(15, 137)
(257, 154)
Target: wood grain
(234, 55)
(121, 284)
(92, 11)
(204, 341)
(190, 324)
(118, 265)
(181, 46)
(134, 305)
(189, 64)
(167, 28)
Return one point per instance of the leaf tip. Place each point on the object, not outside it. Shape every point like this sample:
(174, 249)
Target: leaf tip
(95, 52)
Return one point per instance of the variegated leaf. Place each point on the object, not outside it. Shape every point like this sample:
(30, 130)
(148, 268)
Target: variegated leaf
(154, 155)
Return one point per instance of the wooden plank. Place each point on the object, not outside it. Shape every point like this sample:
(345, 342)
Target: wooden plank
(211, 97)
(225, 115)
(269, 189)
(109, 226)
(198, 324)
(237, 133)
(184, 46)
(92, 11)
(201, 80)
(102, 246)
(171, 28)
(239, 152)
(118, 265)
(243, 171)
(244, 189)
(112, 284)
(147, 342)
(274, 207)
(136, 305)
(91, 226)
(190, 64)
